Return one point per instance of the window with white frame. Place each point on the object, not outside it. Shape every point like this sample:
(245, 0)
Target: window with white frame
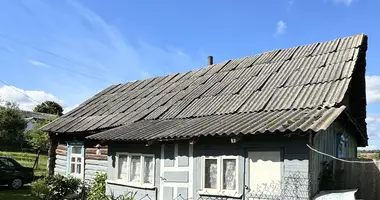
(76, 159)
(220, 173)
(137, 169)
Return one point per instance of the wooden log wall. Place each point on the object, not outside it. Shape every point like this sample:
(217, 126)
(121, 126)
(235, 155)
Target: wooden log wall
(61, 159)
(95, 161)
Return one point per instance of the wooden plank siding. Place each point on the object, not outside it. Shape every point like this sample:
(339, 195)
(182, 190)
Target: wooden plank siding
(326, 141)
(60, 159)
(95, 161)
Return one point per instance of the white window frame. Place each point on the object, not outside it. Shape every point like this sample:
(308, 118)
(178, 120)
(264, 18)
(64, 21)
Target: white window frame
(81, 163)
(219, 184)
(129, 158)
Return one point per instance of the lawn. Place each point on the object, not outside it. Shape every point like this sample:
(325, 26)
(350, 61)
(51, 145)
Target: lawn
(21, 194)
(27, 160)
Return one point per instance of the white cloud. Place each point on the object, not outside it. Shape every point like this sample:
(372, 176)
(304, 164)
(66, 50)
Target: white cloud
(10, 93)
(280, 28)
(38, 63)
(345, 2)
(373, 89)
(368, 148)
(373, 130)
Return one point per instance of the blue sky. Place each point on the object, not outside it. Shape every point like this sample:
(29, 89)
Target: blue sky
(46, 46)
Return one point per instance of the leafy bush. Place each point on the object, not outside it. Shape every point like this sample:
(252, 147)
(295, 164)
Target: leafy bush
(55, 187)
(98, 189)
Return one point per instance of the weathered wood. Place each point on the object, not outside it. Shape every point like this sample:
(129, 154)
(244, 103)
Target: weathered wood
(60, 162)
(364, 176)
(62, 147)
(59, 171)
(61, 157)
(52, 155)
(96, 168)
(61, 152)
(96, 162)
(93, 151)
(96, 157)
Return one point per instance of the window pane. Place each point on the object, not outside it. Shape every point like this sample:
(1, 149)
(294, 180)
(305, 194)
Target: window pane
(78, 169)
(135, 169)
(122, 173)
(211, 173)
(76, 150)
(72, 159)
(72, 169)
(79, 160)
(148, 170)
(229, 174)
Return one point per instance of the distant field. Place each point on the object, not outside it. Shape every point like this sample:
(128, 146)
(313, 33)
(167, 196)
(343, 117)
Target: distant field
(27, 160)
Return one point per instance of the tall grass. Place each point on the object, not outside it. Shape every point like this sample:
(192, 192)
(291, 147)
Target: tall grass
(27, 160)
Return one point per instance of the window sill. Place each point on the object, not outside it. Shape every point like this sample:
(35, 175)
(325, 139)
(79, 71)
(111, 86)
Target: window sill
(232, 194)
(145, 186)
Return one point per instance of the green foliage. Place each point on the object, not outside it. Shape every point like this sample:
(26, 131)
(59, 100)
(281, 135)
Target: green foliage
(98, 189)
(49, 107)
(55, 187)
(12, 125)
(360, 156)
(377, 155)
(38, 139)
(127, 196)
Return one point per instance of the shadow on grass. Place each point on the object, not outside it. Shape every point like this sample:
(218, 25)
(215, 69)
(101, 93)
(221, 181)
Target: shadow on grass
(21, 194)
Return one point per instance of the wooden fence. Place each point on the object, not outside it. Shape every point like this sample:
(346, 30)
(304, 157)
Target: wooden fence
(362, 176)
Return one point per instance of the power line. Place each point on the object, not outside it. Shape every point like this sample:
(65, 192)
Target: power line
(29, 97)
(343, 160)
(43, 50)
(62, 68)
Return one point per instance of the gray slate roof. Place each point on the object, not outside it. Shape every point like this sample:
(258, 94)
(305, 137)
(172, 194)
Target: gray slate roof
(269, 86)
(37, 115)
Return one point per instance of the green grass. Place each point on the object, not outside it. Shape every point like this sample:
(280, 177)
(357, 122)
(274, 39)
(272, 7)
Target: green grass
(20, 194)
(27, 160)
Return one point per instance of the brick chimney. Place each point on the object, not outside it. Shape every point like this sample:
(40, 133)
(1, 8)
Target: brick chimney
(210, 60)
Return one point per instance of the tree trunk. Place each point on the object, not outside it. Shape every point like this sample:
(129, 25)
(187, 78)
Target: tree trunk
(52, 154)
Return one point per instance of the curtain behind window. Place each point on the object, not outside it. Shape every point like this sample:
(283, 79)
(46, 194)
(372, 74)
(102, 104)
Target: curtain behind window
(211, 173)
(135, 169)
(229, 174)
(148, 170)
(123, 169)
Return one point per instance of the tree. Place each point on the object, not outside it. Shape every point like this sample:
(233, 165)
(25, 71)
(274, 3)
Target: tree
(49, 107)
(377, 155)
(38, 139)
(12, 125)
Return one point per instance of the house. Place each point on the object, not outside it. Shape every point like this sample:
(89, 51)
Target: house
(33, 117)
(235, 129)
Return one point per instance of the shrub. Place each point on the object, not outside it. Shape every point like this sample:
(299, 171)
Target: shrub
(55, 187)
(98, 189)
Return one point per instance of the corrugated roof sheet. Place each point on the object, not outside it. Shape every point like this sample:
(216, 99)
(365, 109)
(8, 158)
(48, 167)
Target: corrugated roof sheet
(243, 123)
(271, 84)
